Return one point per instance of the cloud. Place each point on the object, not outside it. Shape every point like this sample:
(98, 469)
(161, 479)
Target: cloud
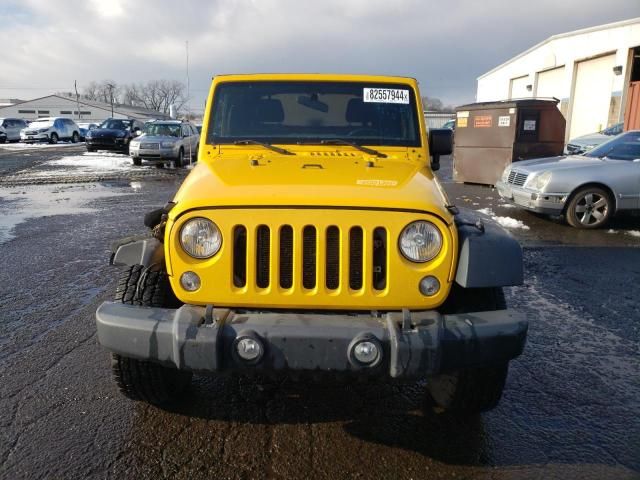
(446, 46)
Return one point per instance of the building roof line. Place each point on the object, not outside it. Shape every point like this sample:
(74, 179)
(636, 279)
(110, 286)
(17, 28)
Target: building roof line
(106, 107)
(558, 36)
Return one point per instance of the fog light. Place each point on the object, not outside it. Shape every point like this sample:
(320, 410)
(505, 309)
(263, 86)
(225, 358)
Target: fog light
(429, 286)
(366, 352)
(249, 349)
(190, 281)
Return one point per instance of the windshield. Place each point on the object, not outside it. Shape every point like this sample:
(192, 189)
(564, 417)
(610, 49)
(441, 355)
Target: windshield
(45, 124)
(114, 124)
(162, 130)
(623, 147)
(310, 112)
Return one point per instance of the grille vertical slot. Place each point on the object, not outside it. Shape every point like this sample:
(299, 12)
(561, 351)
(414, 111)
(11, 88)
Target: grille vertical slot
(286, 257)
(263, 235)
(239, 256)
(332, 267)
(379, 258)
(309, 257)
(355, 258)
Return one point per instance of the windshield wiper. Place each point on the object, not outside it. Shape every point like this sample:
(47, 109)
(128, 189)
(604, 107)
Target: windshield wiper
(279, 150)
(339, 141)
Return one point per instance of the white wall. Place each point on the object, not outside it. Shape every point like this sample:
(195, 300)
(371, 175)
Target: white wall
(53, 106)
(565, 51)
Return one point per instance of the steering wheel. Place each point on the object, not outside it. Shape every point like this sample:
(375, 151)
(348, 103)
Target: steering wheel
(362, 132)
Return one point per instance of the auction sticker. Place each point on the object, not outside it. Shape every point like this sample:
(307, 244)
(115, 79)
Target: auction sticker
(504, 121)
(461, 122)
(529, 125)
(385, 95)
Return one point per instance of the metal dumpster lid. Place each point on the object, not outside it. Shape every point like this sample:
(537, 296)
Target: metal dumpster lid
(514, 102)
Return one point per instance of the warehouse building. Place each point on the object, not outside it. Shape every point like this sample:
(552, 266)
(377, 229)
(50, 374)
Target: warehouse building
(88, 111)
(594, 72)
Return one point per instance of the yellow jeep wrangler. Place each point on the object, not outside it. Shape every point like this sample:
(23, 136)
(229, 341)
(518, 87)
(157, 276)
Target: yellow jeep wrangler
(313, 238)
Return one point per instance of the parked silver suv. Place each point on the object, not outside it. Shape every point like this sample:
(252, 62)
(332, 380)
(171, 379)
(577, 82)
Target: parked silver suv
(164, 141)
(51, 129)
(11, 128)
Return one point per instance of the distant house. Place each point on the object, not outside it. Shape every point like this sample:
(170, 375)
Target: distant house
(594, 72)
(90, 110)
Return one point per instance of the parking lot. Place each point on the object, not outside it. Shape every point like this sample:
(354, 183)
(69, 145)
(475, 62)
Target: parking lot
(571, 408)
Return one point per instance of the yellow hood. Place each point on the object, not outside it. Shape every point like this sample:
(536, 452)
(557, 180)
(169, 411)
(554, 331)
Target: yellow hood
(336, 178)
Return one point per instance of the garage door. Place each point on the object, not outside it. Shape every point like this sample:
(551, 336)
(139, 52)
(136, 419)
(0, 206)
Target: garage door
(550, 83)
(592, 96)
(518, 87)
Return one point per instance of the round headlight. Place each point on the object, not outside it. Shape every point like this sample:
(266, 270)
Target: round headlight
(200, 238)
(420, 241)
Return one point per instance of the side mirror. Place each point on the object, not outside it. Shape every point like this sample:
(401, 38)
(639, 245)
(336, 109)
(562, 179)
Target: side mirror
(440, 143)
(137, 132)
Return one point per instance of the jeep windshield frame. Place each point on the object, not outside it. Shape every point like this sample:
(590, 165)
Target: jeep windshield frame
(313, 112)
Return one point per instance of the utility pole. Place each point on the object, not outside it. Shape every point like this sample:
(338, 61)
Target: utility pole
(111, 86)
(188, 110)
(75, 85)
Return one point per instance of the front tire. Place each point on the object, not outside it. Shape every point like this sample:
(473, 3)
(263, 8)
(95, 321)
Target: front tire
(75, 138)
(137, 161)
(53, 139)
(470, 391)
(141, 379)
(180, 160)
(473, 390)
(589, 208)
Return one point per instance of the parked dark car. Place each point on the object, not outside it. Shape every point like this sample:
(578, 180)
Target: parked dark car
(84, 128)
(113, 134)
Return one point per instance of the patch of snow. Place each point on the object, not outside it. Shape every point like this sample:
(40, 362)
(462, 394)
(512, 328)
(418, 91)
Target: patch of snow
(486, 211)
(508, 222)
(507, 205)
(31, 146)
(634, 233)
(611, 230)
(89, 163)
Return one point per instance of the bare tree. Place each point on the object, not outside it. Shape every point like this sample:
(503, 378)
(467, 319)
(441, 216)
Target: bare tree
(102, 91)
(156, 95)
(435, 105)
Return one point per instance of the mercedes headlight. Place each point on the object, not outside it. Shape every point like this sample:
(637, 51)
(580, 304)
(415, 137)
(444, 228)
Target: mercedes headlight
(200, 238)
(167, 144)
(538, 181)
(420, 241)
(505, 174)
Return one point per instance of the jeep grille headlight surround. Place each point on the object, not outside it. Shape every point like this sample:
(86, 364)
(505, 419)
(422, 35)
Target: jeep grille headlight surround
(420, 241)
(200, 238)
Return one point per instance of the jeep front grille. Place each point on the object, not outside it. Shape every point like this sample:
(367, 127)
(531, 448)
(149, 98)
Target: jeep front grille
(333, 274)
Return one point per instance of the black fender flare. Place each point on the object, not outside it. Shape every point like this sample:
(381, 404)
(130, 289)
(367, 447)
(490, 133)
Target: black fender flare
(488, 255)
(139, 250)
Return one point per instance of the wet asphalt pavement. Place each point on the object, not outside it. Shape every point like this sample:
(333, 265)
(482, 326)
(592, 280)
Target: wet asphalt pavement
(571, 408)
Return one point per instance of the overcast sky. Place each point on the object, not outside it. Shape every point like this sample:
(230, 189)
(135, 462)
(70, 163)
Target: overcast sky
(46, 44)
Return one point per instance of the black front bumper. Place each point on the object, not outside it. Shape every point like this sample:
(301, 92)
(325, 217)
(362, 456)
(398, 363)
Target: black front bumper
(107, 143)
(413, 344)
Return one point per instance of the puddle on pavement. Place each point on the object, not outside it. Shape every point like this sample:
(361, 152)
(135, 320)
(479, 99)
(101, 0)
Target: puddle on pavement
(19, 204)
